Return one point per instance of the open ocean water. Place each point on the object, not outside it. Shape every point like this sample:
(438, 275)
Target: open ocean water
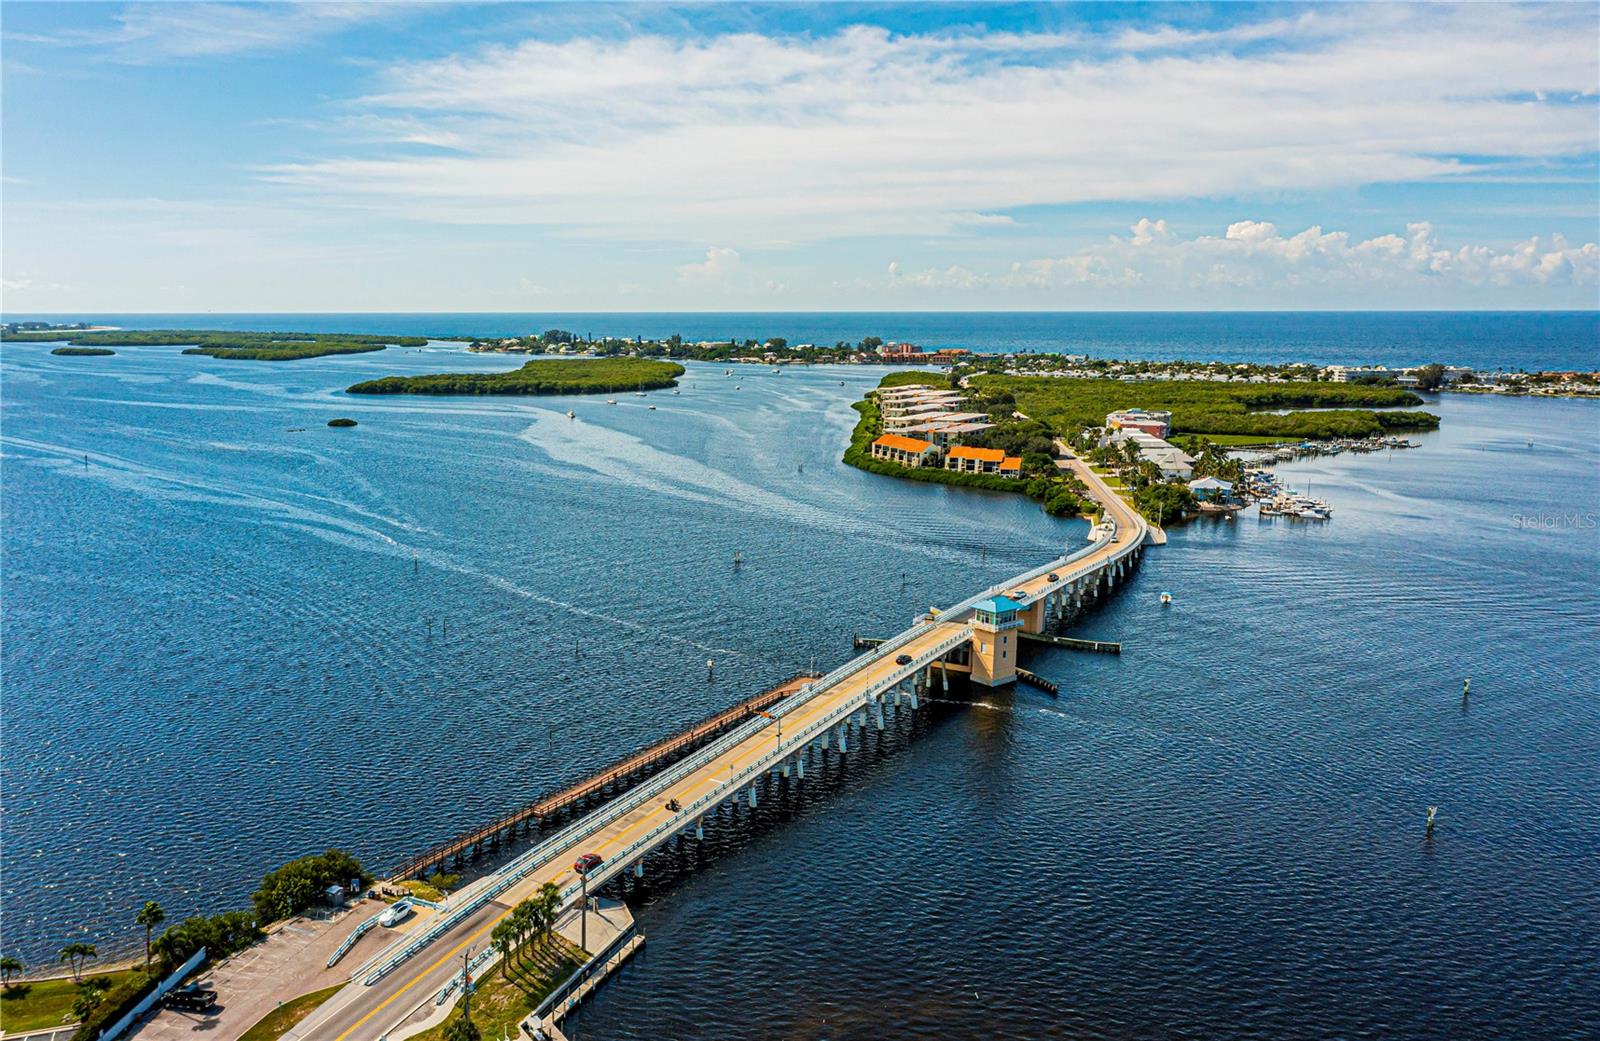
(228, 641)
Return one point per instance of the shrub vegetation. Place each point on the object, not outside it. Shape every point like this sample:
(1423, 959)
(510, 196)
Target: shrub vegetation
(554, 376)
(1204, 407)
(247, 346)
(83, 352)
(300, 883)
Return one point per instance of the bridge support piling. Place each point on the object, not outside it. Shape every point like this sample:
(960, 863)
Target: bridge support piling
(800, 767)
(752, 796)
(638, 869)
(877, 715)
(844, 745)
(700, 828)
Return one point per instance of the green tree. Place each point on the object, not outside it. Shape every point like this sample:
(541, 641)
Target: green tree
(523, 919)
(462, 1029)
(1429, 377)
(76, 954)
(86, 1002)
(149, 916)
(504, 939)
(9, 969)
(547, 904)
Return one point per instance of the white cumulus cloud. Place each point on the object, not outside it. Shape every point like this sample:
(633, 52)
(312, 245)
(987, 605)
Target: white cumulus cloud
(758, 140)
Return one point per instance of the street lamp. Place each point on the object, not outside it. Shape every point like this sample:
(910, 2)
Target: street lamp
(779, 721)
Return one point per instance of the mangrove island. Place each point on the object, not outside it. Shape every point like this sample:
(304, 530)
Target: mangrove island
(557, 376)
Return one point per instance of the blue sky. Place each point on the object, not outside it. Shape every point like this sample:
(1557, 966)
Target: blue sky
(508, 157)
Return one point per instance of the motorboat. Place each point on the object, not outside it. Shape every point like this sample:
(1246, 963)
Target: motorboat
(1166, 598)
(571, 414)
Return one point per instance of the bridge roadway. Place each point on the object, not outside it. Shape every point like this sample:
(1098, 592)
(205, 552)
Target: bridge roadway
(623, 831)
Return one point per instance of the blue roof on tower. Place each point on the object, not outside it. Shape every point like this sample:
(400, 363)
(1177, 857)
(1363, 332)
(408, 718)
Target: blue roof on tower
(998, 605)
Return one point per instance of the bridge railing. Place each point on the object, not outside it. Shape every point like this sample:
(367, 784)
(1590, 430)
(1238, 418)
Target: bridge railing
(516, 869)
(682, 819)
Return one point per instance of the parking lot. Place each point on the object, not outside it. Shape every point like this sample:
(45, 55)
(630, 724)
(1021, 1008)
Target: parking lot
(290, 962)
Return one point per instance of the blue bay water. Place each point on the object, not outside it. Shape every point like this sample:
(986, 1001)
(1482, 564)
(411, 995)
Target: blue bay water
(1511, 340)
(235, 635)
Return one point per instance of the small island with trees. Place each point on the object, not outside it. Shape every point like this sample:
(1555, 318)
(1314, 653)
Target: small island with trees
(83, 352)
(242, 346)
(555, 376)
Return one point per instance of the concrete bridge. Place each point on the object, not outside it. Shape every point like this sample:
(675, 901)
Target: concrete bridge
(979, 637)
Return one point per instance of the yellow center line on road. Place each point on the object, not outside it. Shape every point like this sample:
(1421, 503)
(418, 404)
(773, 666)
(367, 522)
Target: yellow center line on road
(620, 834)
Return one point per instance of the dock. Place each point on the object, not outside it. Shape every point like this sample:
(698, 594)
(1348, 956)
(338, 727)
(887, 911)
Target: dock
(626, 770)
(744, 757)
(1074, 644)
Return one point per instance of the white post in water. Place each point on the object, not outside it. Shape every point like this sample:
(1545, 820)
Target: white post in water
(1431, 811)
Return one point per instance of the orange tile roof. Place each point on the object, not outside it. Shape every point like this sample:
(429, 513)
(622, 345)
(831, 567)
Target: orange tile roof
(1011, 462)
(904, 444)
(982, 455)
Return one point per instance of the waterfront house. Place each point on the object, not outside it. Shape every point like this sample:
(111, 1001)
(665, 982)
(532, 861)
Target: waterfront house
(905, 451)
(1210, 488)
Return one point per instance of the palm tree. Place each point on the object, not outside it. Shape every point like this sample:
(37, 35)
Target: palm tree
(504, 939)
(87, 1001)
(548, 904)
(76, 954)
(149, 916)
(522, 919)
(9, 967)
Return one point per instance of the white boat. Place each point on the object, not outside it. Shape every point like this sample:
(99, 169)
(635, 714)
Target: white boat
(1166, 598)
(611, 401)
(571, 414)
(677, 391)
(652, 408)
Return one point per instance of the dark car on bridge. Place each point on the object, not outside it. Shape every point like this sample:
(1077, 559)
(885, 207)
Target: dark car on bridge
(904, 659)
(1052, 577)
(587, 863)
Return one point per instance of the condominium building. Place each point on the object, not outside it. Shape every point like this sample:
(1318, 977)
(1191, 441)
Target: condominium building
(906, 451)
(966, 459)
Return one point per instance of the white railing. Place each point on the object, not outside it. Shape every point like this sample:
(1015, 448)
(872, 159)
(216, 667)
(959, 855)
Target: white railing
(684, 818)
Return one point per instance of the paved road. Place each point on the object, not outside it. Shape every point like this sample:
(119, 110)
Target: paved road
(365, 1013)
